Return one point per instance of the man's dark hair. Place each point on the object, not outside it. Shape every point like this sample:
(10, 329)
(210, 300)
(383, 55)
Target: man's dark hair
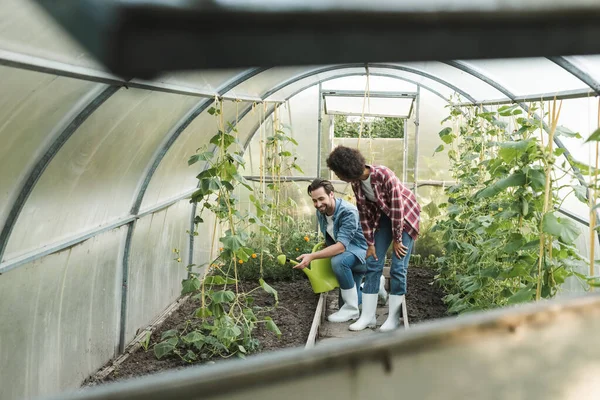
(346, 162)
(320, 183)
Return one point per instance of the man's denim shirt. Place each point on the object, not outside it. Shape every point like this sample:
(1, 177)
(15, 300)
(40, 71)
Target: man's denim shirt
(346, 228)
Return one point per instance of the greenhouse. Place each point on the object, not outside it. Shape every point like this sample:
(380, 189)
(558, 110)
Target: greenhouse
(154, 198)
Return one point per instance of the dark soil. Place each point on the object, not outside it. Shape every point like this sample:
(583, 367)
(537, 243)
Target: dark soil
(423, 299)
(293, 316)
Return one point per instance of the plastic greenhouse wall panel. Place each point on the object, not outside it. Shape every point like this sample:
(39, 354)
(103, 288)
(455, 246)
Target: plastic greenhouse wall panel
(312, 76)
(258, 85)
(432, 111)
(154, 280)
(94, 177)
(476, 87)
(33, 108)
(528, 76)
(174, 177)
(60, 317)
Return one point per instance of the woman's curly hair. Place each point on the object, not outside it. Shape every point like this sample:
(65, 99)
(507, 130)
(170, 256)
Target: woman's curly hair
(346, 163)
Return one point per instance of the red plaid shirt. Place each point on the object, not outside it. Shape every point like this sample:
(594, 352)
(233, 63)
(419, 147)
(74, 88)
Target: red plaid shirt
(393, 198)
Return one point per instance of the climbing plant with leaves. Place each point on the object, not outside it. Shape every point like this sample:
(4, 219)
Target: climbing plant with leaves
(505, 241)
(223, 324)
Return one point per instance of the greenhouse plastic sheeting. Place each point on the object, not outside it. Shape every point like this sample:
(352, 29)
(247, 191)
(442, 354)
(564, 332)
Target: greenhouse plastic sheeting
(103, 160)
(174, 177)
(60, 317)
(154, 275)
(527, 76)
(33, 109)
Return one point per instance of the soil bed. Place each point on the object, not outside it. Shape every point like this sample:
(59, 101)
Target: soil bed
(293, 316)
(423, 300)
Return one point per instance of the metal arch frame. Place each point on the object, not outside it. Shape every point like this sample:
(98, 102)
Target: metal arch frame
(37, 64)
(577, 72)
(99, 95)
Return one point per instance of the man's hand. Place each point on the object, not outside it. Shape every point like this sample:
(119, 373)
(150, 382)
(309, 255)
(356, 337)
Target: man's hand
(371, 252)
(305, 260)
(400, 249)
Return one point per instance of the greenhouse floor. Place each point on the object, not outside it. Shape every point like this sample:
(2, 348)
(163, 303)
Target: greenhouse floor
(423, 300)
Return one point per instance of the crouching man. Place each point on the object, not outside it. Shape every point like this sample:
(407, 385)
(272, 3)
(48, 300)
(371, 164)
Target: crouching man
(346, 245)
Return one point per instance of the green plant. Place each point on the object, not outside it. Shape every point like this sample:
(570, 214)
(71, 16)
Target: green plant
(504, 243)
(222, 327)
(379, 127)
(145, 343)
(225, 320)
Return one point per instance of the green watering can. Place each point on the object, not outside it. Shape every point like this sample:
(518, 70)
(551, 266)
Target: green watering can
(320, 274)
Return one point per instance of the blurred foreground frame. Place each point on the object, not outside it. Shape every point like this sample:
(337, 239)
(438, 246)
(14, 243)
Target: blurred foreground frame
(144, 38)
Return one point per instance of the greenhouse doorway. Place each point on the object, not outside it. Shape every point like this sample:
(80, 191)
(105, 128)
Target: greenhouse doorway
(377, 123)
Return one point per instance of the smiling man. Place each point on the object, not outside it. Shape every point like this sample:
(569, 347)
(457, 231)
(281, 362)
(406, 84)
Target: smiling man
(346, 245)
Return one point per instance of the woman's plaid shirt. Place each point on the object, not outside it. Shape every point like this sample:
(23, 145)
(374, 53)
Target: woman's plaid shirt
(393, 198)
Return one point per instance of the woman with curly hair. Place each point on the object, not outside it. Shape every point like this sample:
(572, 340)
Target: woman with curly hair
(389, 213)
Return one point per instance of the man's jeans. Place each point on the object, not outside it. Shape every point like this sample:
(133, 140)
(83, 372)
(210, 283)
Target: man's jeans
(349, 271)
(383, 239)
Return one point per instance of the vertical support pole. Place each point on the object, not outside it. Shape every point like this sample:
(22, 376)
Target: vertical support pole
(319, 135)
(405, 155)
(417, 118)
(319, 141)
(190, 259)
(125, 287)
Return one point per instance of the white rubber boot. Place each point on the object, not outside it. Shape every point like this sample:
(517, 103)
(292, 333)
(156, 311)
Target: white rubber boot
(367, 317)
(383, 296)
(393, 320)
(349, 310)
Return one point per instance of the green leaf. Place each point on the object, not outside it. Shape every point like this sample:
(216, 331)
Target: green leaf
(297, 168)
(269, 289)
(523, 295)
(193, 337)
(594, 137)
(272, 326)
(222, 140)
(507, 111)
(242, 349)
(510, 151)
(581, 193)
(563, 228)
(444, 132)
(242, 254)
(238, 158)
(207, 173)
(516, 179)
(514, 244)
(564, 131)
(198, 219)
(536, 179)
(214, 280)
(163, 348)
(231, 242)
(193, 159)
(190, 356)
(190, 285)
(222, 296)
(439, 148)
(168, 334)
(212, 111)
(203, 312)
(447, 138)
